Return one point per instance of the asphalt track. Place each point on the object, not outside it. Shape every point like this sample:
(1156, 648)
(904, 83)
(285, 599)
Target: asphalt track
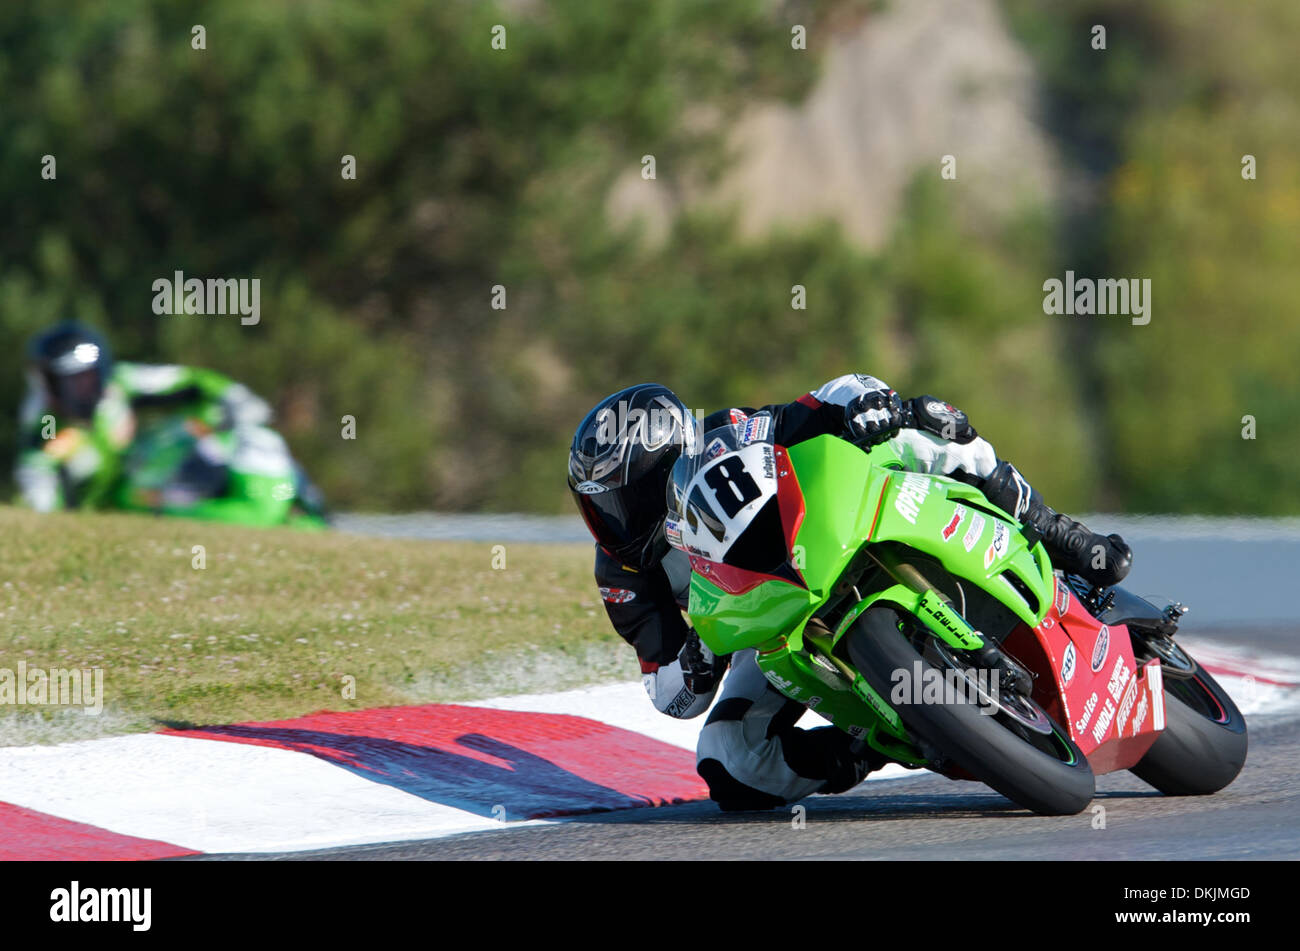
(1236, 573)
(932, 818)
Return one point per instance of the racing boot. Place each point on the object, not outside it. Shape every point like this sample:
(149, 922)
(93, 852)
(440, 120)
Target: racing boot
(847, 761)
(825, 751)
(1103, 560)
(307, 496)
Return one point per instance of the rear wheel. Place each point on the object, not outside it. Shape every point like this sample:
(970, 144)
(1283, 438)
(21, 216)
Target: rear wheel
(1203, 746)
(1019, 751)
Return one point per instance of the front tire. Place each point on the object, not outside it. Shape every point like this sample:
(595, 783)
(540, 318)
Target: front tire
(1050, 784)
(1203, 746)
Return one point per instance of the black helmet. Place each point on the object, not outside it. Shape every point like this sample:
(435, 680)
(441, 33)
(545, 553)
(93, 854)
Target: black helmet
(619, 464)
(73, 364)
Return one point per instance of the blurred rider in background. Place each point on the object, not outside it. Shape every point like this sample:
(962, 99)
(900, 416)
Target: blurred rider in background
(79, 418)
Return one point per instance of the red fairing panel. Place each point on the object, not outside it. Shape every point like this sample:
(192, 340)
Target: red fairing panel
(1089, 680)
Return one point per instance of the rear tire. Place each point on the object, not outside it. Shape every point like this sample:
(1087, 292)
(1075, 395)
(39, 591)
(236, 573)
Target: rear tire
(1203, 746)
(980, 744)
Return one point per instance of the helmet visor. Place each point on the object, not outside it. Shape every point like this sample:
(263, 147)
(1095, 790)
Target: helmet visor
(623, 519)
(75, 394)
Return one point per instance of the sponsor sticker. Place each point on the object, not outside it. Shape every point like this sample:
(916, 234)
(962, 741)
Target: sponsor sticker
(939, 611)
(1001, 539)
(715, 448)
(617, 595)
(949, 530)
(1119, 675)
(1156, 684)
(737, 416)
(974, 532)
(911, 494)
(1062, 597)
(1081, 724)
(1104, 719)
(1140, 716)
(673, 532)
(680, 703)
(589, 487)
(1100, 648)
(885, 711)
(1126, 705)
(998, 547)
(777, 681)
(1067, 664)
(756, 428)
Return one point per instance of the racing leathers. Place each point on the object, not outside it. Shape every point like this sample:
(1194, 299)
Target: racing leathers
(750, 752)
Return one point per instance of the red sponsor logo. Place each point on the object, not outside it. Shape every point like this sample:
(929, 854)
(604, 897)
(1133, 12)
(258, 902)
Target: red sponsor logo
(950, 529)
(617, 595)
(1100, 648)
(1062, 597)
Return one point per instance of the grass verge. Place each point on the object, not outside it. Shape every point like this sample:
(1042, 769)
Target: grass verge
(268, 623)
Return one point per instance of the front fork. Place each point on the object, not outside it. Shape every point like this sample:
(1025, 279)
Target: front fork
(937, 612)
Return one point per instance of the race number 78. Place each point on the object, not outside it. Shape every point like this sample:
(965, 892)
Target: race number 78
(732, 485)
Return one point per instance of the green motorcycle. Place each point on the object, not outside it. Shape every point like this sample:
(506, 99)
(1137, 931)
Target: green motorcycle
(915, 615)
(181, 466)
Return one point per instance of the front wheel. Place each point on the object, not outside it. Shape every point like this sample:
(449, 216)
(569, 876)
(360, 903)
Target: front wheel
(1203, 746)
(1042, 771)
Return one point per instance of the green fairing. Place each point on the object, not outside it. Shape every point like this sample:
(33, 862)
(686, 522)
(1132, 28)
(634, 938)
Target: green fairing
(846, 491)
(749, 619)
(250, 498)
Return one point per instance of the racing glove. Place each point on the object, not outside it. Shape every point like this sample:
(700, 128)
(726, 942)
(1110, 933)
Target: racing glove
(943, 419)
(684, 688)
(240, 407)
(871, 418)
(701, 668)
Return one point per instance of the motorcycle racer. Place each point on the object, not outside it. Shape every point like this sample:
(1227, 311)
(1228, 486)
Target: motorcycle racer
(750, 752)
(79, 418)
